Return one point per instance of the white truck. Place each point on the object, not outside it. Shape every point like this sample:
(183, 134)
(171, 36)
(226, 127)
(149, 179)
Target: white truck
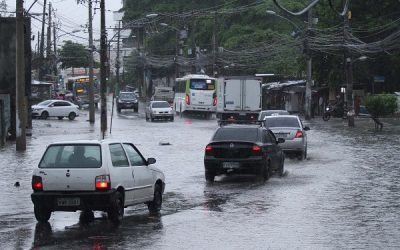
(163, 94)
(239, 98)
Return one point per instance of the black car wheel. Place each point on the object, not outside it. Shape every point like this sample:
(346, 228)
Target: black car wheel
(118, 110)
(281, 168)
(155, 205)
(210, 176)
(301, 155)
(42, 214)
(116, 211)
(265, 171)
(44, 115)
(71, 116)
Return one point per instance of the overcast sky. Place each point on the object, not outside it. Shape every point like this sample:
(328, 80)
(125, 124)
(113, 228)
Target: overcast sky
(70, 17)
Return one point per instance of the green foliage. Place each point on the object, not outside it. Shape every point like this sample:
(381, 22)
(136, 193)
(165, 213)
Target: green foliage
(74, 55)
(381, 105)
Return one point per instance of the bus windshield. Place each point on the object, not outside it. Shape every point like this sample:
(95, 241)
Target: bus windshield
(202, 84)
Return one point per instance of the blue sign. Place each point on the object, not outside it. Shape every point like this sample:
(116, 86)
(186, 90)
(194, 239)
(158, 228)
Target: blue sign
(379, 79)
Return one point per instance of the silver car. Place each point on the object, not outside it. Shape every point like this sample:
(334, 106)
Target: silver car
(264, 113)
(290, 128)
(159, 110)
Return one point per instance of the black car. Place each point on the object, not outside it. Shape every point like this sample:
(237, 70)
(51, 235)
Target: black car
(247, 149)
(127, 100)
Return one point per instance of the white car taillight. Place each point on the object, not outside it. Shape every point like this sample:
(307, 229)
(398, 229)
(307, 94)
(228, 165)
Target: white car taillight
(103, 182)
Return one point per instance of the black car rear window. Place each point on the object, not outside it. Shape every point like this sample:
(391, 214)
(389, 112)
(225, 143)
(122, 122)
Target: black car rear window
(276, 121)
(236, 134)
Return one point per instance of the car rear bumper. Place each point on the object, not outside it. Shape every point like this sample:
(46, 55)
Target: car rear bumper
(96, 200)
(163, 116)
(245, 166)
(293, 146)
(127, 105)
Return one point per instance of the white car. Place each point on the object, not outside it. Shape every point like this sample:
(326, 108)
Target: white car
(95, 175)
(159, 110)
(290, 128)
(55, 108)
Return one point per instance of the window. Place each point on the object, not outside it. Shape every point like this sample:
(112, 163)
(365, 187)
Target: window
(290, 122)
(72, 156)
(118, 156)
(160, 105)
(133, 155)
(202, 84)
(236, 134)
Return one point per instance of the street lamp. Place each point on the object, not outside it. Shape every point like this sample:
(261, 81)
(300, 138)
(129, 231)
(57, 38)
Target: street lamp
(178, 36)
(349, 88)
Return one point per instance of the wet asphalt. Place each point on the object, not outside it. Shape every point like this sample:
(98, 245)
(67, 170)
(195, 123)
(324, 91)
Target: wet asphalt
(344, 195)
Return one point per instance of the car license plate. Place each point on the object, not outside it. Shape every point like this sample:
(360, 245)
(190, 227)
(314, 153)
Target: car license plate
(281, 135)
(230, 164)
(66, 202)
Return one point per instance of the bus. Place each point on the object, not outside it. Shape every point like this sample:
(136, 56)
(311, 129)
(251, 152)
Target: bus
(78, 86)
(195, 94)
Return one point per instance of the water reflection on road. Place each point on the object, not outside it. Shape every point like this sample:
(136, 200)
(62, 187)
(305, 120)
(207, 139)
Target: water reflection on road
(345, 195)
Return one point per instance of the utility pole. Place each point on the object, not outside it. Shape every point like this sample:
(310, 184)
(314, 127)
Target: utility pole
(41, 56)
(117, 60)
(214, 67)
(91, 88)
(309, 71)
(103, 69)
(55, 51)
(21, 118)
(48, 47)
(349, 72)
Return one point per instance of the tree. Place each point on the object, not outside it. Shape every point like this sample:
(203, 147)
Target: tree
(74, 55)
(3, 7)
(379, 106)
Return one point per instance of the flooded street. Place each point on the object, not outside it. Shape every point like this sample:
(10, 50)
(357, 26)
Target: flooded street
(345, 195)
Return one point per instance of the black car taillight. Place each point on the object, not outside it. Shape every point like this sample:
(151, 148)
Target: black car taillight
(37, 184)
(209, 150)
(256, 150)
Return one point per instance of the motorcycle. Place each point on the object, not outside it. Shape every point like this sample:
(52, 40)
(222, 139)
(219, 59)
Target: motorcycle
(335, 111)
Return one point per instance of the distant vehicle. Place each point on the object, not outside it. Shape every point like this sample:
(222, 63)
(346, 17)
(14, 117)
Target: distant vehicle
(239, 98)
(163, 94)
(79, 88)
(244, 148)
(95, 175)
(127, 100)
(159, 110)
(290, 128)
(270, 112)
(195, 94)
(55, 108)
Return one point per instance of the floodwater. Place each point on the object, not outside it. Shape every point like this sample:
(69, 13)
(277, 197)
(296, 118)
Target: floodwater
(345, 195)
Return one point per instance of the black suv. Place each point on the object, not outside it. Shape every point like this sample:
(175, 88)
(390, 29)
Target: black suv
(127, 100)
(248, 149)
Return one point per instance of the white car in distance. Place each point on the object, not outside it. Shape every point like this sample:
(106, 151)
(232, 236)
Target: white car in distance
(55, 108)
(95, 176)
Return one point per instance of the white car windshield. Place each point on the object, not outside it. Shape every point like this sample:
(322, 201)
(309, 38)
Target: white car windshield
(44, 103)
(160, 105)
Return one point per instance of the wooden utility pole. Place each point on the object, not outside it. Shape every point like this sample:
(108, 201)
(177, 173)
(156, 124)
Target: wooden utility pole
(103, 69)
(91, 88)
(21, 117)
